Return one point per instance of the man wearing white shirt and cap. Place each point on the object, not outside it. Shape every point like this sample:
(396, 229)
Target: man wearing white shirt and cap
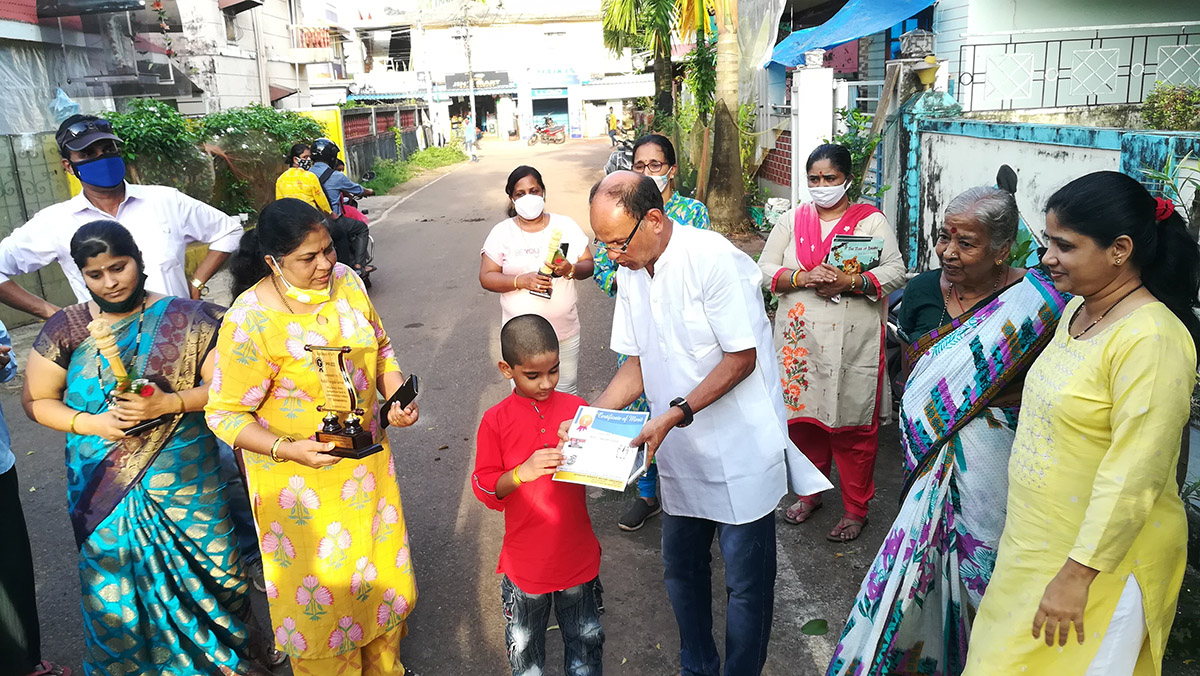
(163, 222)
(690, 315)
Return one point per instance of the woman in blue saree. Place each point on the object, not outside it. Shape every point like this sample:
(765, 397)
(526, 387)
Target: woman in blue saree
(975, 326)
(163, 590)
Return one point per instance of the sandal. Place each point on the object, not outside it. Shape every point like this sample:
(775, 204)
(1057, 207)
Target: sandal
(849, 528)
(801, 511)
(47, 668)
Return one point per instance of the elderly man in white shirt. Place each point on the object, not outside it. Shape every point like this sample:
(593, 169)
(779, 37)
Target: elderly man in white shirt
(690, 315)
(163, 222)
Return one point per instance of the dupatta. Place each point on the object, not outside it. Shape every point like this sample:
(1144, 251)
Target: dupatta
(811, 248)
(176, 336)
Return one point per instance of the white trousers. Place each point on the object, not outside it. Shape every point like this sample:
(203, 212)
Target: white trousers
(568, 364)
(1126, 632)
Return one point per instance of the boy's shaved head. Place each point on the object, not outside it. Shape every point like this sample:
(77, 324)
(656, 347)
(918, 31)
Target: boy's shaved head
(526, 336)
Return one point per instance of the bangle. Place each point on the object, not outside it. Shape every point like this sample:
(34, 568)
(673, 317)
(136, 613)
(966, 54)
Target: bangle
(275, 448)
(515, 278)
(516, 477)
(795, 285)
(182, 405)
(73, 419)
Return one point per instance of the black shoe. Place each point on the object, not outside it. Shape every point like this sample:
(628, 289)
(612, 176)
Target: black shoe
(635, 517)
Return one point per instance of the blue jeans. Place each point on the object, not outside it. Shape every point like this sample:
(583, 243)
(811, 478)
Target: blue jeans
(239, 504)
(648, 483)
(612, 136)
(749, 553)
(578, 611)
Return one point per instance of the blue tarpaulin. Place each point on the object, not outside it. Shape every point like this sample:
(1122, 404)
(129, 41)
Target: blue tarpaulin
(857, 19)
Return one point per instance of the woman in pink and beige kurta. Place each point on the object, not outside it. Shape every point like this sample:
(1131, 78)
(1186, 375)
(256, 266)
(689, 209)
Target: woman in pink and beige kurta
(334, 544)
(830, 351)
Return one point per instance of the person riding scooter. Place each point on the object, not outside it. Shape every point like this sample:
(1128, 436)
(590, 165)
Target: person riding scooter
(350, 235)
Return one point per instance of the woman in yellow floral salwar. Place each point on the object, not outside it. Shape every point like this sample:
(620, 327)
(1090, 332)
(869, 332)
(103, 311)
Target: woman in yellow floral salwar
(335, 549)
(1094, 544)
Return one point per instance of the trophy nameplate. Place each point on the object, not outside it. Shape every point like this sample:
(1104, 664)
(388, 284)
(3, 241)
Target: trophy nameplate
(349, 438)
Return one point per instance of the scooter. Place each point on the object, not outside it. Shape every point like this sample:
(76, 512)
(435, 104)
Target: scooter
(548, 133)
(350, 209)
(621, 158)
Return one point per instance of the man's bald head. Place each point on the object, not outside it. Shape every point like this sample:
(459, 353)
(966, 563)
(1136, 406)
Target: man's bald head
(631, 191)
(627, 214)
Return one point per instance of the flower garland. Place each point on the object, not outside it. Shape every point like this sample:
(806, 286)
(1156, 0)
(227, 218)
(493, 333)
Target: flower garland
(161, 12)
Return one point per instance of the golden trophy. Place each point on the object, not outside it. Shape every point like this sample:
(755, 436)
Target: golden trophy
(350, 440)
(106, 343)
(552, 254)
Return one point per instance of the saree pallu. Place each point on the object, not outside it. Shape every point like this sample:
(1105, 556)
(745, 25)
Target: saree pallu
(914, 609)
(163, 589)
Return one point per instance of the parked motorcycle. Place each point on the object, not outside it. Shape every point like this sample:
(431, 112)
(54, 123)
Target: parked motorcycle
(621, 158)
(548, 132)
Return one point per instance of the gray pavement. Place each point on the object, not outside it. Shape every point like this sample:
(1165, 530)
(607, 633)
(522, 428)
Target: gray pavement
(445, 328)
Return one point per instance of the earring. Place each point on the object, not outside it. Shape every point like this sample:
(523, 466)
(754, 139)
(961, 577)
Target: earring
(999, 262)
(1118, 261)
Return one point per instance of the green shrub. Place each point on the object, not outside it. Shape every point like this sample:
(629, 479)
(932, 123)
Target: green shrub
(161, 147)
(861, 144)
(388, 175)
(1173, 107)
(285, 126)
(440, 156)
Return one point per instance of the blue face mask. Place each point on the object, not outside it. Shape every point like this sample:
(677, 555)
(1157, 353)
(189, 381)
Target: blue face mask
(106, 171)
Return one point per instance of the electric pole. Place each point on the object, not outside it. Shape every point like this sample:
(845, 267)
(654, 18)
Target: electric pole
(470, 71)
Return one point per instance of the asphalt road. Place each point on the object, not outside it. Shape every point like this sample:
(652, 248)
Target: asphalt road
(446, 328)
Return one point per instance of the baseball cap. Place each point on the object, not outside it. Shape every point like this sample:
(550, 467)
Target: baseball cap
(79, 131)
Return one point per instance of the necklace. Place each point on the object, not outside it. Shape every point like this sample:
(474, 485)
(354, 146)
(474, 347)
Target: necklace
(962, 308)
(1102, 314)
(275, 283)
(137, 346)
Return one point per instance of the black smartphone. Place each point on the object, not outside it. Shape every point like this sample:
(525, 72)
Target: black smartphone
(404, 396)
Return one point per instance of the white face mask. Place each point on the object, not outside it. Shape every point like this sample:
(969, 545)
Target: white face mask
(662, 181)
(827, 197)
(306, 296)
(529, 206)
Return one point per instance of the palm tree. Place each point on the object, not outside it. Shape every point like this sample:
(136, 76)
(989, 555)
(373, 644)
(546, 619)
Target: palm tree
(640, 24)
(726, 199)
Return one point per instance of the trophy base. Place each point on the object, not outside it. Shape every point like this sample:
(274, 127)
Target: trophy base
(353, 446)
(147, 425)
(541, 294)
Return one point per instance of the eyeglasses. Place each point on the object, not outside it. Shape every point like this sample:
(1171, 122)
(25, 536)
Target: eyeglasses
(80, 128)
(625, 245)
(652, 165)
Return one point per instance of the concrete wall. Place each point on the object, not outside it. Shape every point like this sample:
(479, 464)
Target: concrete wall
(938, 159)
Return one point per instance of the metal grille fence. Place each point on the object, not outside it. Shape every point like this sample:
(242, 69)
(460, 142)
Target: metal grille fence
(1085, 71)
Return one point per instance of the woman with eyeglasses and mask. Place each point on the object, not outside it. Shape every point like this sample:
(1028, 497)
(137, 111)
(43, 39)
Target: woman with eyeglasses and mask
(653, 156)
(829, 332)
(298, 182)
(159, 565)
(336, 559)
(511, 261)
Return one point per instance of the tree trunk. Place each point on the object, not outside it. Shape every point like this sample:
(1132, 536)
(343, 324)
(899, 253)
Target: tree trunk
(664, 101)
(726, 192)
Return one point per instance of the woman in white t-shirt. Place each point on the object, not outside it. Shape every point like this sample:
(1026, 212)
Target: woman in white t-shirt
(513, 254)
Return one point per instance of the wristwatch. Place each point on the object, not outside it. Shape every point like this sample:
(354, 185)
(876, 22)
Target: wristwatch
(200, 286)
(686, 408)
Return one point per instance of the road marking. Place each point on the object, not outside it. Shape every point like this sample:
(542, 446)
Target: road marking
(413, 193)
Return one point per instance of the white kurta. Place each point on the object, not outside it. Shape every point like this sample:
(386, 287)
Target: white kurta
(702, 302)
(830, 353)
(162, 220)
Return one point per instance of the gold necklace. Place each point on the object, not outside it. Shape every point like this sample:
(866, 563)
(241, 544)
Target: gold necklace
(1102, 314)
(275, 283)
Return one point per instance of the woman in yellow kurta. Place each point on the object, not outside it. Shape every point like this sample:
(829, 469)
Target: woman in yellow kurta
(335, 549)
(1094, 545)
(298, 182)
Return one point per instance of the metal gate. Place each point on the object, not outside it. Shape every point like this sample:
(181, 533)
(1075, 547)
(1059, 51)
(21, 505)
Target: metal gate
(31, 179)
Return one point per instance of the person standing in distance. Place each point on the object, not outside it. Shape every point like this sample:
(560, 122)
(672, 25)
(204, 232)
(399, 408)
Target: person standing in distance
(163, 222)
(690, 316)
(611, 121)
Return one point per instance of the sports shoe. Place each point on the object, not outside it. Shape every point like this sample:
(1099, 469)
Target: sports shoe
(635, 517)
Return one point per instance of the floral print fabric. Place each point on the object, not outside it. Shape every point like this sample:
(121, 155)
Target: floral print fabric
(335, 549)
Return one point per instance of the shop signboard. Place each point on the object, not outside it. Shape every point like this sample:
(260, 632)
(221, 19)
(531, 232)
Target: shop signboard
(484, 79)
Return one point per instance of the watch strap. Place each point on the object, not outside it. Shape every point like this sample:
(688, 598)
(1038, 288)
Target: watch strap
(684, 406)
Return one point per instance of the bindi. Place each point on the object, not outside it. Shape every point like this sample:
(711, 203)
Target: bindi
(953, 231)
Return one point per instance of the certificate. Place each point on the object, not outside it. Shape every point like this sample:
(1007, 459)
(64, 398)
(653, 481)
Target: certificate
(598, 450)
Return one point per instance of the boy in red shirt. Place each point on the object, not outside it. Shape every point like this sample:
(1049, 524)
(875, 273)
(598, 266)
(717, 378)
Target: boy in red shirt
(550, 554)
